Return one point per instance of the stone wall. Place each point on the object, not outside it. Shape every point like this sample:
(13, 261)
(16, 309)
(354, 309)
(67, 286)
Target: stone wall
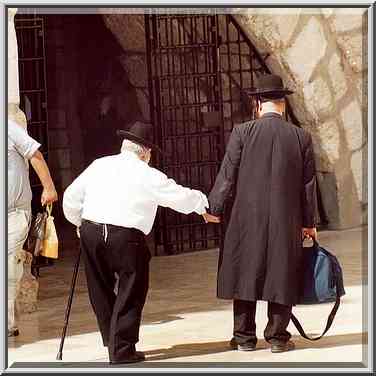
(129, 30)
(60, 114)
(321, 54)
(14, 111)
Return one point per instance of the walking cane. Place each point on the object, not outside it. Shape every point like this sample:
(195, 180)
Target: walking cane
(59, 355)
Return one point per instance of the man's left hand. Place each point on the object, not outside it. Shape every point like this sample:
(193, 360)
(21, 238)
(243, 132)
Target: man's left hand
(309, 232)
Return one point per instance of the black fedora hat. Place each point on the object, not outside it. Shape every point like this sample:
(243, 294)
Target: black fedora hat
(269, 86)
(140, 133)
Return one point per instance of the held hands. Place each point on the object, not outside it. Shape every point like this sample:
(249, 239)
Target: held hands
(211, 218)
(309, 233)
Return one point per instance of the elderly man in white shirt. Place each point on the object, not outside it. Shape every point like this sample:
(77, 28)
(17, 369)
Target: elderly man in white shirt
(114, 203)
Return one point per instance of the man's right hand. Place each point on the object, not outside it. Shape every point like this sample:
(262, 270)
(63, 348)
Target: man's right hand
(309, 232)
(48, 196)
(211, 218)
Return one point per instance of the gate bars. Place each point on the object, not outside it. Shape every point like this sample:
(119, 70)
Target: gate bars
(198, 66)
(185, 87)
(30, 31)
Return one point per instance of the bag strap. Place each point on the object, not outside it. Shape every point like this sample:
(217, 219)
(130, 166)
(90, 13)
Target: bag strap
(49, 209)
(329, 322)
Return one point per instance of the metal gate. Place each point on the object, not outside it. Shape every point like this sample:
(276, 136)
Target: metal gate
(32, 82)
(198, 66)
(30, 32)
(184, 88)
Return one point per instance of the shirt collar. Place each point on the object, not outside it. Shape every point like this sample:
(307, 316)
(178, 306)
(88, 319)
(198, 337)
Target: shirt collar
(130, 155)
(271, 114)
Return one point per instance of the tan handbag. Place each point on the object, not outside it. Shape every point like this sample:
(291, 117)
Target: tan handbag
(50, 243)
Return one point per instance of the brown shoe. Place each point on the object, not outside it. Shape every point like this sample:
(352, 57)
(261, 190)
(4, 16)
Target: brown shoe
(278, 347)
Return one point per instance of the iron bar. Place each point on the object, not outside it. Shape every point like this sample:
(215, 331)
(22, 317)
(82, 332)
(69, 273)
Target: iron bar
(156, 81)
(22, 59)
(148, 40)
(191, 46)
(229, 68)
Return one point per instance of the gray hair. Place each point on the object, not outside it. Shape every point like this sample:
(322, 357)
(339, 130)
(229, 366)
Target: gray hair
(128, 145)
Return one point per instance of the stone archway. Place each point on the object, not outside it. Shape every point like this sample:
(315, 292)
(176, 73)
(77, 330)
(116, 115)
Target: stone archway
(320, 54)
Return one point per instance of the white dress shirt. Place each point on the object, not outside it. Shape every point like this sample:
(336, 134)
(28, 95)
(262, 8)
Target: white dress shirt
(124, 191)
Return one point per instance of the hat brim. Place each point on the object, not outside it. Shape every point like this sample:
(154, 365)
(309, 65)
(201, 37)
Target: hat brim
(132, 137)
(275, 92)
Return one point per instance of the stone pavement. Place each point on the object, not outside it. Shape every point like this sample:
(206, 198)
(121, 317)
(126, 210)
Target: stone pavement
(184, 323)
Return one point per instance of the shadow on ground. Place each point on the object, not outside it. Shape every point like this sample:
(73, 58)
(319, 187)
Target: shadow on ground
(197, 349)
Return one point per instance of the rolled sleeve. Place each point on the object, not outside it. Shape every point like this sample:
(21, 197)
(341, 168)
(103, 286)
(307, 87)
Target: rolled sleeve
(202, 203)
(23, 143)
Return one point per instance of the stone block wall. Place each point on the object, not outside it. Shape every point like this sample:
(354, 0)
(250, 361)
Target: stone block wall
(61, 115)
(322, 55)
(129, 30)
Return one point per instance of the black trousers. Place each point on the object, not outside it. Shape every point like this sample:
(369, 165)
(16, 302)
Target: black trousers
(108, 250)
(245, 324)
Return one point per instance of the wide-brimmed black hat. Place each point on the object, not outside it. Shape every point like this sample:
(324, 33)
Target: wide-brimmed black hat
(269, 86)
(140, 133)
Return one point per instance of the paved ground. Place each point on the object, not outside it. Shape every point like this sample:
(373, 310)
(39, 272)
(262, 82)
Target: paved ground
(183, 321)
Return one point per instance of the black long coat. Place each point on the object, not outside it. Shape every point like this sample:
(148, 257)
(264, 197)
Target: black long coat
(275, 197)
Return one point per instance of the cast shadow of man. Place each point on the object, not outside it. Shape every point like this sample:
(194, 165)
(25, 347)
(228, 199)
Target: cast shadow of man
(151, 319)
(207, 348)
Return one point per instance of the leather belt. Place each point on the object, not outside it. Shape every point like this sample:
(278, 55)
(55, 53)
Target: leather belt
(114, 226)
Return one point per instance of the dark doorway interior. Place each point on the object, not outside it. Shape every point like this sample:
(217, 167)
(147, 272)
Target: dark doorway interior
(75, 94)
(104, 103)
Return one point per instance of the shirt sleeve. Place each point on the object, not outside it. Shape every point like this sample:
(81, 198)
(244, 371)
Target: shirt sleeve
(166, 192)
(23, 143)
(74, 197)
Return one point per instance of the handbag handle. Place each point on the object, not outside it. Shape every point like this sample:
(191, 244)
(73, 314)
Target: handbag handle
(329, 322)
(49, 209)
(331, 316)
(315, 242)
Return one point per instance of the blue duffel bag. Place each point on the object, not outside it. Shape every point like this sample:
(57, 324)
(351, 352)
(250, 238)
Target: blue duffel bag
(321, 282)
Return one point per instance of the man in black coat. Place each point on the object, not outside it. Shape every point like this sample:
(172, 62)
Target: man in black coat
(274, 209)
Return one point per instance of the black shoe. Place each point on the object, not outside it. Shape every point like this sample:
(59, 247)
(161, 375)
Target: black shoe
(278, 347)
(137, 356)
(243, 347)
